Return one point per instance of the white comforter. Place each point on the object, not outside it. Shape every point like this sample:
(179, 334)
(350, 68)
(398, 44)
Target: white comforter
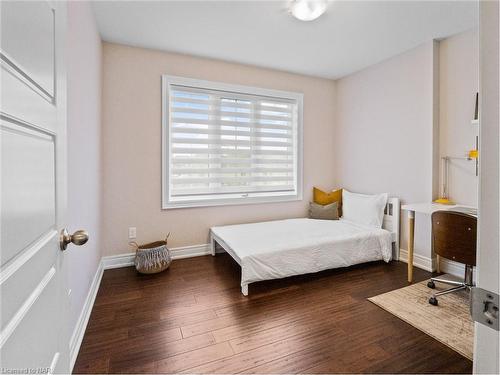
(276, 249)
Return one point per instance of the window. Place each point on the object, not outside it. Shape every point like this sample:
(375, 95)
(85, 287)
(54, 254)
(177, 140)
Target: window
(227, 144)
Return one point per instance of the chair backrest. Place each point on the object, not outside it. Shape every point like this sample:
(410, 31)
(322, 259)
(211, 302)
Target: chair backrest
(454, 236)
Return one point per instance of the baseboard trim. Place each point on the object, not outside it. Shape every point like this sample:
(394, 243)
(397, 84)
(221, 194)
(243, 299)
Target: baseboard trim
(190, 251)
(425, 263)
(118, 261)
(419, 261)
(127, 260)
(81, 325)
(453, 268)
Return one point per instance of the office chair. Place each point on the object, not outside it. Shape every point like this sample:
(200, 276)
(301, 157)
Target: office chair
(454, 236)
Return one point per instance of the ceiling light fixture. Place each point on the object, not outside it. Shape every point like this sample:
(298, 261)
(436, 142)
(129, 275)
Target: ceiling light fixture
(307, 10)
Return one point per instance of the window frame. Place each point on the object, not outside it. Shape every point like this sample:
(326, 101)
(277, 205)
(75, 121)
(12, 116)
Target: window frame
(251, 198)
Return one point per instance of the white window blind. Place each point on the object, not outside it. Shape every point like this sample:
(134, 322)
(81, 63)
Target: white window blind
(229, 144)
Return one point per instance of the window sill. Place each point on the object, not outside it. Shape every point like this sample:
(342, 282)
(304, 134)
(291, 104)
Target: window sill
(231, 201)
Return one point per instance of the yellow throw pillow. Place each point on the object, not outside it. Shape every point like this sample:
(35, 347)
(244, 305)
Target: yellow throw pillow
(324, 198)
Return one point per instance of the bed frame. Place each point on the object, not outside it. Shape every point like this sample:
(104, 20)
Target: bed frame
(390, 223)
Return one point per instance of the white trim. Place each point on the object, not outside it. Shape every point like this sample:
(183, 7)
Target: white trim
(236, 201)
(164, 141)
(419, 261)
(236, 198)
(117, 261)
(229, 87)
(425, 263)
(127, 260)
(454, 268)
(81, 325)
(190, 251)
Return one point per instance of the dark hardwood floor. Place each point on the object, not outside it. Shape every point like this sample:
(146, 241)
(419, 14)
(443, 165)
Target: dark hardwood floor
(193, 318)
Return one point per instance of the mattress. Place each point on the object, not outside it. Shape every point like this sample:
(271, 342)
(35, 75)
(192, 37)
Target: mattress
(282, 248)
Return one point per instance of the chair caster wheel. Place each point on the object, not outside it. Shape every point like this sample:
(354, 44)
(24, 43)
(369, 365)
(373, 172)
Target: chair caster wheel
(431, 284)
(433, 301)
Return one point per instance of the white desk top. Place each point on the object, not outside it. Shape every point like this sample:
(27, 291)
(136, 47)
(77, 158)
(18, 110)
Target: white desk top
(429, 208)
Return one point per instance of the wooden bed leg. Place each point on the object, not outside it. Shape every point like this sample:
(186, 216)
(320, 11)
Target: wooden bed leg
(244, 289)
(411, 240)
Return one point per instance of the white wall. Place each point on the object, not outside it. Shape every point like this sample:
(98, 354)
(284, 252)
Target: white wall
(384, 127)
(384, 136)
(132, 135)
(458, 84)
(394, 119)
(84, 150)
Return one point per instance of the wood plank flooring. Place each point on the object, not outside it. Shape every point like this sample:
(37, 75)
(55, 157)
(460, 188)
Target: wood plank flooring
(193, 319)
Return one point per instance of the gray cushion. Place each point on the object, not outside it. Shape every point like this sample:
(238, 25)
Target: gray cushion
(327, 212)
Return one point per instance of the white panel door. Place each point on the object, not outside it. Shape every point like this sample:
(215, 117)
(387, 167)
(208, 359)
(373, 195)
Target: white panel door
(486, 340)
(34, 300)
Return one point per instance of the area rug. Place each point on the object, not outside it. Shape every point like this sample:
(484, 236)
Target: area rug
(449, 322)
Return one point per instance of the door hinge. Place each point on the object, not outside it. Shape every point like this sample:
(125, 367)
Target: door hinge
(484, 307)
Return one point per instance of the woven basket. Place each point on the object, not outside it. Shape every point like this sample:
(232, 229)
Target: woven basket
(152, 257)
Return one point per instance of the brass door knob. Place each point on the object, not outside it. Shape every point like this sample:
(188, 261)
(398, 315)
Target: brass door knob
(78, 238)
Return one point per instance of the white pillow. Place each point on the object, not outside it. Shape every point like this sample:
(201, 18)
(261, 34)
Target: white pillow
(364, 209)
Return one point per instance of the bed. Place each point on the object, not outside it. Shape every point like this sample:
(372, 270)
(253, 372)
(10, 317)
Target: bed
(282, 248)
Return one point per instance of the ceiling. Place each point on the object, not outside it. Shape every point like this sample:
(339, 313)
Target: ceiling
(350, 36)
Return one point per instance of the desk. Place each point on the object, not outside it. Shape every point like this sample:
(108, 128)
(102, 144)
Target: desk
(426, 208)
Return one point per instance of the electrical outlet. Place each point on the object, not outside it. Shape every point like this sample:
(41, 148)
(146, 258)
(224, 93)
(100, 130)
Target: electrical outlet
(132, 232)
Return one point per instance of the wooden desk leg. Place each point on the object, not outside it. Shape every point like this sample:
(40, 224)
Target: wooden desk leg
(411, 228)
(438, 264)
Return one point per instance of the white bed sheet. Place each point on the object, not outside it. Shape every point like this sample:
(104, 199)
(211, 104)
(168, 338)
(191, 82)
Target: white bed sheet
(282, 248)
